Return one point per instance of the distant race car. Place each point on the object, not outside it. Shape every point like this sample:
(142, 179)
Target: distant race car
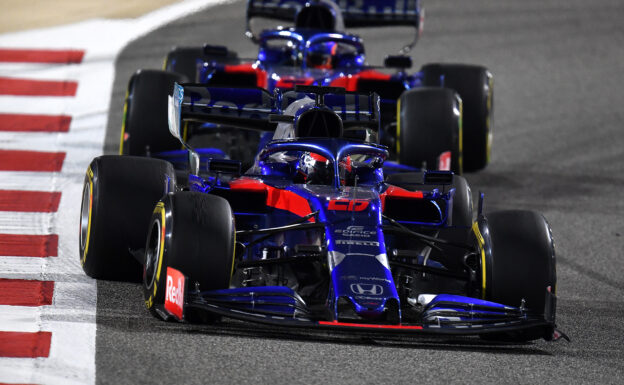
(314, 234)
(437, 118)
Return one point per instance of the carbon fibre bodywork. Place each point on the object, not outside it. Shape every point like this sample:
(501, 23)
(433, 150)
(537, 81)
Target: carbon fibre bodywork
(346, 251)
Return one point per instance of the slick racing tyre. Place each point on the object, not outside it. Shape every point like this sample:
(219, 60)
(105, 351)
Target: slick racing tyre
(193, 233)
(118, 196)
(429, 125)
(187, 61)
(475, 86)
(144, 127)
(522, 266)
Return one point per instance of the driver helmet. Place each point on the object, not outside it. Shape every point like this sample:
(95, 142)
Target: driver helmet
(321, 55)
(315, 169)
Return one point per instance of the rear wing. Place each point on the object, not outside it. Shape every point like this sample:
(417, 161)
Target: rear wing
(257, 109)
(355, 13)
(239, 107)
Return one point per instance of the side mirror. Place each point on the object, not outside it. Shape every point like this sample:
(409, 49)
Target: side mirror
(398, 61)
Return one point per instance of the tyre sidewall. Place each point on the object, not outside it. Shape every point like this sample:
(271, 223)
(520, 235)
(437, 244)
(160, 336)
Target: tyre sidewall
(145, 113)
(122, 191)
(523, 263)
(198, 240)
(475, 86)
(428, 124)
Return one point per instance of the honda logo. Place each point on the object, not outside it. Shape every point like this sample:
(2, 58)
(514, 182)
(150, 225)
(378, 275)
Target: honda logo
(366, 289)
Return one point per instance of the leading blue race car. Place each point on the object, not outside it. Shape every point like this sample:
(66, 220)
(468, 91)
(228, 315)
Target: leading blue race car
(437, 118)
(314, 234)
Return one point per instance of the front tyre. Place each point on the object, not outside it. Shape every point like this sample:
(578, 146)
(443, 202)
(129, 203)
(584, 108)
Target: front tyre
(522, 267)
(193, 233)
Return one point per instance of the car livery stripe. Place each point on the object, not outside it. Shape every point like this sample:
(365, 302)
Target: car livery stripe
(350, 82)
(27, 87)
(29, 201)
(370, 326)
(17, 160)
(398, 192)
(41, 56)
(20, 245)
(25, 345)
(276, 198)
(22, 292)
(34, 123)
(249, 68)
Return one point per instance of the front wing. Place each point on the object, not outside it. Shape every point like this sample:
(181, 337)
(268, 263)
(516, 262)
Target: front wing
(281, 306)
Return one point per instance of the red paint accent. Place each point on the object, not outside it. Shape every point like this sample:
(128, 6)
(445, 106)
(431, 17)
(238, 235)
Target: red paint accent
(373, 75)
(247, 68)
(21, 292)
(276, 198)
(398, 192)
(27, 87)
(317, 157)
(248, 184)
(20, 245)
(15, 160)
(372, 326)
(29, 201)
(240, 68)
(287, 82)
(34, 123)
(25, 345)
(289, 201)
(174, 293)
(444, 161)
(350, 82)
(347, 204)
(41, 56)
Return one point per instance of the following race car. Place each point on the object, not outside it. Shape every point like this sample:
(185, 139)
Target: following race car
(436, 118)
(314, 234)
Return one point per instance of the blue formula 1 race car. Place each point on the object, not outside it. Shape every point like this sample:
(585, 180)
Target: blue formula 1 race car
(314, 234)
(439, 117)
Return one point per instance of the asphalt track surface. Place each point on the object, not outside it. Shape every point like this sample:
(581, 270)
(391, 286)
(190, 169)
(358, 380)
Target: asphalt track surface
(558, 148)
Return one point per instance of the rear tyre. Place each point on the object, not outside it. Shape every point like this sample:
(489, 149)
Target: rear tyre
(145, 129)
(193, 233)
(119, 194)
(475, 86)
(428, 125)
(522, 266)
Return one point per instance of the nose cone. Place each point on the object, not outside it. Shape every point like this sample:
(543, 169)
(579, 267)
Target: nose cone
(364, 289)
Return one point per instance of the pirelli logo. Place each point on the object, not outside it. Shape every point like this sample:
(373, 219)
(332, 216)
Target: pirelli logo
(356, 242)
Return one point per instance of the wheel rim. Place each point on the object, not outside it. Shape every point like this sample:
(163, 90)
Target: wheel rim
(152, 253)
(84, 215)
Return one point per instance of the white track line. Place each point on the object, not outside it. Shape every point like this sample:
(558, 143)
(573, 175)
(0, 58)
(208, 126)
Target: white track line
(71, 317)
